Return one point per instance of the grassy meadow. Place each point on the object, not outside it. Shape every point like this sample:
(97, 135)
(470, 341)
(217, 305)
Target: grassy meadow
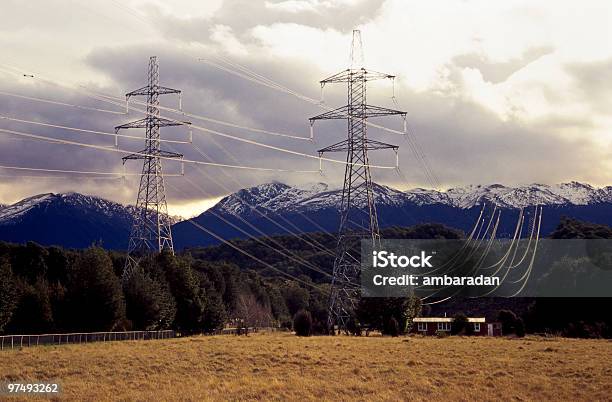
(269, 366)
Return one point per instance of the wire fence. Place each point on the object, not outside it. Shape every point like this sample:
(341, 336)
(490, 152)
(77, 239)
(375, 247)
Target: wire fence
(20, 341)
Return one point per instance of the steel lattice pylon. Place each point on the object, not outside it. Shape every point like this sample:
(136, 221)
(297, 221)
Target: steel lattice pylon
(358, 219)
(151, 230)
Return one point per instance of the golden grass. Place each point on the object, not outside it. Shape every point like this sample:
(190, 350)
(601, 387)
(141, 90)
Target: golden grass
(283, 366)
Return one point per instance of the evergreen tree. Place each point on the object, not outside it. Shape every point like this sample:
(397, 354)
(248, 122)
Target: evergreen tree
(95, 296)
(29, 262)
(296, 297)
(8, 293)
(33, 314)
(214, 316)
(185, 289)
(149, 304)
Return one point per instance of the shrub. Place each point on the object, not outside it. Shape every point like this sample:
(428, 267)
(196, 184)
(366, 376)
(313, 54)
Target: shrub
(519, 327)
(353, 327)
(441, 334)
(461, 325)
(507, 319)
(392, 327)
(302, 323)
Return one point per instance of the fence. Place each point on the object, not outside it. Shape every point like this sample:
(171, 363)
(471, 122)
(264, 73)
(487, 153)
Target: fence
(19, 341)
(245, 330)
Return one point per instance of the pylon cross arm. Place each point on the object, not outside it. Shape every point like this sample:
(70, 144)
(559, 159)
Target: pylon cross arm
(151, 121)
(363, 112)
(345, 145)
(145, 91)
(356, 74)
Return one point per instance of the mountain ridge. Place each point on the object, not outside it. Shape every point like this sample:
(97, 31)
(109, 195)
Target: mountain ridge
(77, 220)
(279, 196)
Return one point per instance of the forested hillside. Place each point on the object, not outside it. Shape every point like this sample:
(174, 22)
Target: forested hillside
(51, 289)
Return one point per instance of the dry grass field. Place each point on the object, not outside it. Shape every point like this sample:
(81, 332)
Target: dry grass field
(282, 366)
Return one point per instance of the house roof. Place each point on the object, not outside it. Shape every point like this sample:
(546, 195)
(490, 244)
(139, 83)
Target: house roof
(446, 319)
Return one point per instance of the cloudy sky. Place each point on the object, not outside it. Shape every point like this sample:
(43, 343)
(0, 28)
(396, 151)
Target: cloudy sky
(510, 92)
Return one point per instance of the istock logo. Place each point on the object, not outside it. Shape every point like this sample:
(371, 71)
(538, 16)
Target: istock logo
(383, 259)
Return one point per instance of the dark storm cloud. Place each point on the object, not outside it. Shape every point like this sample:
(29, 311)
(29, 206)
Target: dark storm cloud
(464, 142)
(18, 151)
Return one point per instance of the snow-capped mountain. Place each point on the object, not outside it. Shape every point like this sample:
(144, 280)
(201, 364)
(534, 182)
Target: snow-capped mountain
(573, 193)
(70, 220)
(13, 213)
(277, 208)
(76, 220)
(279, 197)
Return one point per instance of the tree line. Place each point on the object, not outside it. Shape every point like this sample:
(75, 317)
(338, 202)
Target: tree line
(52, 289)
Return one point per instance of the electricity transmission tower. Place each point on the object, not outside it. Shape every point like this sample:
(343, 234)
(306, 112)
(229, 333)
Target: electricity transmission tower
(151, 229)
(358, 219)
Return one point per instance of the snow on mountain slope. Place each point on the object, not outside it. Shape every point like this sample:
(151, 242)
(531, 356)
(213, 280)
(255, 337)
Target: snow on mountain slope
(421, 196)
(582, 194)
(281, 198)
(13, 213)
(269, 196)
(502, 196)
(535, 194)
(278, 197)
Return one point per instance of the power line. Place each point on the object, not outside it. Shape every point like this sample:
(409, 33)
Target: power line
(311, 242)
(67, 171)
(415, 147)
(282, 250)
(119, 150)
(86, 130)
(257, 78)
(224, 135)
(209, 119)
(32, 98)
(178, 111)
(273, 147)
(242, 251)
(20, 176)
